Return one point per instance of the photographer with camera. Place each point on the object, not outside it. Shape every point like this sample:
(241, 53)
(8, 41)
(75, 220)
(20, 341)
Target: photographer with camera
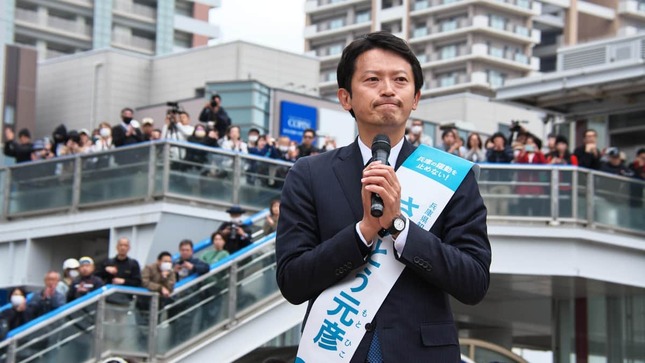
(177, 128)
(215, 115)
(236, 234)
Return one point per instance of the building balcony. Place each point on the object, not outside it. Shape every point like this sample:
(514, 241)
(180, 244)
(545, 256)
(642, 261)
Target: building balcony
(134, 43)
(146, 172)
(324, 30)
(632, 8)
(518, 7)
(479, 23)
(482, 52)
(319, 6)
(77, 29)
(130, 9)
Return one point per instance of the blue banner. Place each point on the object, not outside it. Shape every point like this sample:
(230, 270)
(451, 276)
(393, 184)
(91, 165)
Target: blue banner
(296, 118)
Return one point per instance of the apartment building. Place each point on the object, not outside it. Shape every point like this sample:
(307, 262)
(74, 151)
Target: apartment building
(467, 45)
(151, 27)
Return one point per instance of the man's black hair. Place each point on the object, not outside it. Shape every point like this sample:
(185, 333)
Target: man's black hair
(310, 130)
(377, 40)
(498, 134)
(184, 113)
(448, 131)
(640, 151)
(253, 129)
(25, 133)
(163, 254)
(127, 109)
(214, 96)
(186, 242)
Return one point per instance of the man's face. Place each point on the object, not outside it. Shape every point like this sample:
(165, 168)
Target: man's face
(123, 247)
(561, 147)
(51, 280)
(164, 259)
(382, 91)
(614, 160)
(498, 143)
(283, 141)
(449, 139)
(86, 269)
(234, 133)
(590, 137)
(156, 135)
(184, 119)
(641, 157)
(24, 140)
(307, 138)
(126, 113)
(186, 252)
(147, 129)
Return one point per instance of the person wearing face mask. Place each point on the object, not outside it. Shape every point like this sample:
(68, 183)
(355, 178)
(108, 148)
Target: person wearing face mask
(70, 272)
(159, 277)
(252, 138)
(529, 180)
(233, 142)
(416, 136)
(19, 313)
(201, 136)
(86, 281)
(236, 234)
(127, 133)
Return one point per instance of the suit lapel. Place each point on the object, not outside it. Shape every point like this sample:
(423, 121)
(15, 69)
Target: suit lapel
(406, 150)
(348, 168)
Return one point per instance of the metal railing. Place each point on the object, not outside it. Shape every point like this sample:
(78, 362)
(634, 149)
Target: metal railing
(168, 170)
(143, 325)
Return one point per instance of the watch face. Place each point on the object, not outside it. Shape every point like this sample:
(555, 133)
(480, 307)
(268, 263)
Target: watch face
(399, 224)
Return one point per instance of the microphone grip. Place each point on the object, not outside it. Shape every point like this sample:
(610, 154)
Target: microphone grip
(376, 210)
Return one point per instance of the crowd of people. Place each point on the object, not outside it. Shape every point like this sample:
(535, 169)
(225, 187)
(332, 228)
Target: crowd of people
(82, 276)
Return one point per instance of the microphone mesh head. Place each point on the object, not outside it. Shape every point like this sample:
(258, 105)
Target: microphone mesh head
(381, 142)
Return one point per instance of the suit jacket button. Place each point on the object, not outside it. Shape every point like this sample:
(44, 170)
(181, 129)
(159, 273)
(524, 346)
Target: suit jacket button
(369, 326)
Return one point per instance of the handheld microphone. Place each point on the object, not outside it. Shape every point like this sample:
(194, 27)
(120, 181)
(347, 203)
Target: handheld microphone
(380, 152)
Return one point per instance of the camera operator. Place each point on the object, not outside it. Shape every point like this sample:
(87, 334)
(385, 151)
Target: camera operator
(236, 234)
(214, 113)
(176, 127)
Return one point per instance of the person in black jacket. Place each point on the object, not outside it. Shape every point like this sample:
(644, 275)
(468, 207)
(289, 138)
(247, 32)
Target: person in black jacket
(124, 134)
(18, 314)
(236, 234)
(187, 263)
(214, 112)
(588, 153)
(21, 149)
(86, 282)
(121, 269)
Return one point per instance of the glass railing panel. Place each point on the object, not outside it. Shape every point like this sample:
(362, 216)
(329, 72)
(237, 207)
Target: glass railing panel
(256, 278)
(41, 186)
(159, 169)
(618, 202)
(565, 193)
(70, 339)
(192, 311)
(533, 190)
(496, 187)
(3, 180)
(120, 174)
(488, 355)
(581, 192)
(125, 323)
(199, 173)
(261, 181)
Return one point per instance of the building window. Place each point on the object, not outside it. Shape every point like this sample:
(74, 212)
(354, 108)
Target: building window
(363, 16)
(423, 58)
(331, 76)
(521, 57)
(497, 22)
(526, 4)
(641, 5)
(418, 5)
(495, 78)
(448, 79)
(445, 2)
(522, 30)
(449, 51)
(335, 49)
(449, 25)
(336, 23)
(420, 31)
(496, 51)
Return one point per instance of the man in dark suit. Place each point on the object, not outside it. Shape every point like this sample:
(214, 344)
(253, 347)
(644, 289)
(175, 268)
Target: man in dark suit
(326, 230)
(127, 133)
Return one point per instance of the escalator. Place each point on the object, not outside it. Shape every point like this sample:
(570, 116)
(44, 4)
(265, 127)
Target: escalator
(220, 316)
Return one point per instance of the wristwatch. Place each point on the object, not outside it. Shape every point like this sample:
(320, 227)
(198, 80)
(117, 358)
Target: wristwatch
(398, 225)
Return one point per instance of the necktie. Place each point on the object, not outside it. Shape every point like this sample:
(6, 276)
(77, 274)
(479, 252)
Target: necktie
(374, 354)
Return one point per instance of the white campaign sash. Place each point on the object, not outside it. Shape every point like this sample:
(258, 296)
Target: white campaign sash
(336, 322)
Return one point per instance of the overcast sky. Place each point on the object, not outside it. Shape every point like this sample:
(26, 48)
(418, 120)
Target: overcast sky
(277, 24)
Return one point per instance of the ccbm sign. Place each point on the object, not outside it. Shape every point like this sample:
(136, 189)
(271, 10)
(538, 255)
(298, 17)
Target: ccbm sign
(296, 118)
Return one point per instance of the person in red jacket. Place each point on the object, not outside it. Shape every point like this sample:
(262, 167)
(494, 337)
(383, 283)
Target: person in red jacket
(530, 187)
(561, 156)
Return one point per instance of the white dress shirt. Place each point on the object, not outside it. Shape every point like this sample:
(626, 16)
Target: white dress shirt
(366, 153)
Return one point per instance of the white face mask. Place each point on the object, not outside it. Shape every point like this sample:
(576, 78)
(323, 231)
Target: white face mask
(253, 138)
(329, 147)
(17, 300)
(105, 132)
(165, 266)
(283, 148)
(292, 148)
(200, 133)
(73, 274)
(417, 129)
